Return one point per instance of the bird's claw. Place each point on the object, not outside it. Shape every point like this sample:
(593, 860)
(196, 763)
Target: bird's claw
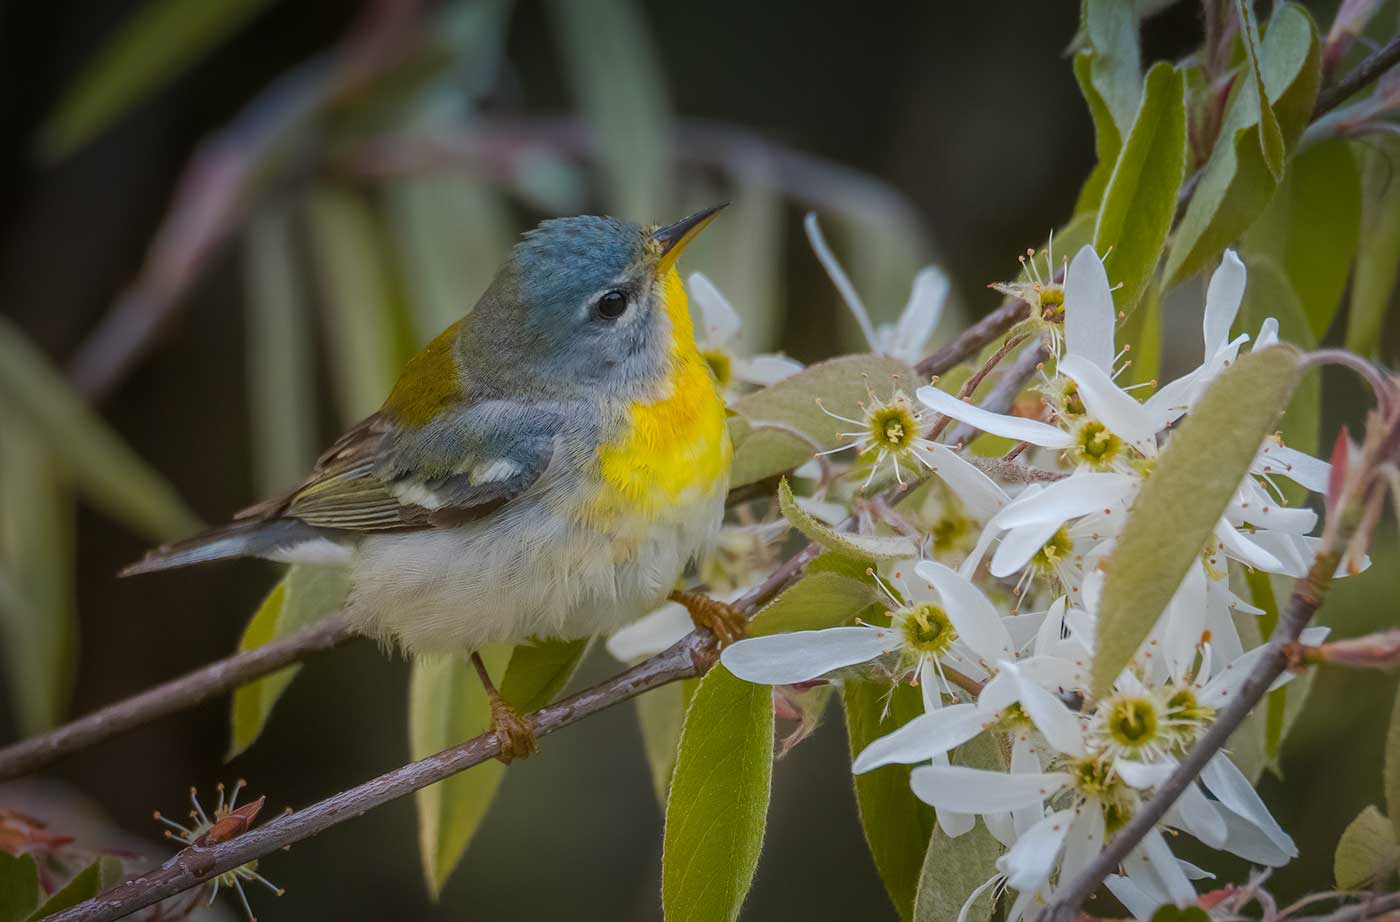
(513, 730)
(719, 618)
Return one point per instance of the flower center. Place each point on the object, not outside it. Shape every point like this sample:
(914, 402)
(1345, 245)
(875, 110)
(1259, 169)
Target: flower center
(1096, 446)
(1053, 552)
(1052, 303)
(928, 631)
(949, 532)
(1132, 722)
(1186, 717)
(1092, 777)
(721, 366)
(893, 426)
(1070, 402)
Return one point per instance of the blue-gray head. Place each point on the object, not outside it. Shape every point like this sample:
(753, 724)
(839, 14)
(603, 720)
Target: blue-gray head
(579, 305)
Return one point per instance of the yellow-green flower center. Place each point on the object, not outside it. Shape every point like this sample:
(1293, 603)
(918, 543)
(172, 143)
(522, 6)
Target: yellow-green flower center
(1070, 403)
(893, 426)
(1132, 722)
(1052, 302)
(1096, 446)
(1053, 552)
(950, 532)
(927, 629)
(721, 366)
(1093, 777)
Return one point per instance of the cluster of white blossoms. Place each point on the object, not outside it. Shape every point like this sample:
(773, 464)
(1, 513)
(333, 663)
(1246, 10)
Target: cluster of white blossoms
(996, 624)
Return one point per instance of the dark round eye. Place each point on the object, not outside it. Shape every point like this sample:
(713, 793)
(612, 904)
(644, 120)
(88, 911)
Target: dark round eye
(612, 305)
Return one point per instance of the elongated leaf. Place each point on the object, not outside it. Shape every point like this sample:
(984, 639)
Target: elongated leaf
(19, 887)
(1237, 183)
(359, 300)
(448, 705)
(1310, 229)
(952, 869)
(1270, 136)
(1392, 767)
(1183, 499)
(1140, 200)
(281, 360)
(661, 715)
(1378, 251)
(306, 593)
(718, 806)
(817, 601)
(1107, 139)
(1116, 70)
(84, 886)
(102, 465)
(154, 46)
(614, 66)
(897, 824)
(861, 547)
(1367, 852)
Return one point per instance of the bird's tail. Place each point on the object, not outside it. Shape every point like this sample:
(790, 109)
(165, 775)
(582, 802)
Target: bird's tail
(240, 539)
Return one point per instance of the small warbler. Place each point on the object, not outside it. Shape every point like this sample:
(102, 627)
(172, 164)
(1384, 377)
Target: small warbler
(544, 468)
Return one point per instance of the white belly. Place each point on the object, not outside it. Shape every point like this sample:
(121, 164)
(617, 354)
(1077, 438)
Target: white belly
(522, 573)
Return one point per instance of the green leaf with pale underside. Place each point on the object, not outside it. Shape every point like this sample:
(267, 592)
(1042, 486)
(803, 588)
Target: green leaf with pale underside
(1367, 852)
(861, 547)
(1270, 135)
(1182, 500)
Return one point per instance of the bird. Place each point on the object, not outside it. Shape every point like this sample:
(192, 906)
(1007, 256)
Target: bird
(546, 467)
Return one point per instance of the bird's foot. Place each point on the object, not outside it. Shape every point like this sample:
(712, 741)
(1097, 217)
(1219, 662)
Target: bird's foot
(719, 618)
(513, 729)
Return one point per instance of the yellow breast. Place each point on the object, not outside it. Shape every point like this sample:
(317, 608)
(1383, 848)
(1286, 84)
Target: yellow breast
(675, 449)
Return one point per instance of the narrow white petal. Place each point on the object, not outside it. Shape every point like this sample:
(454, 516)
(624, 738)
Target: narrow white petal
(1019, 545)
(1223, 302)
(1010, 427)
(766, 369)
(1201, 818)
(719, 321)
(1268, 334)
(1106, 402)
(922, 738)
(1089, 314)
(1142, 775)
(974, 617)
(1025, 760)
(979, 493)
(1057, 723)
(1246, 551)
(922, 313)
(1134, 898)
(999, 825)
(1076, 495)
(1030, 862)
(1164, 864)
(1250, 843)
(1299, 467)
(651, 633)
(1084, 842)
(1233, 789)
(956, 787)
(953, 823)
(1172, 400)
(838, 277)
(782, 659)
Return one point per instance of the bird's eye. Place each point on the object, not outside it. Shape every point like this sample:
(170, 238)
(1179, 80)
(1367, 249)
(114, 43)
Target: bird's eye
(612, 305)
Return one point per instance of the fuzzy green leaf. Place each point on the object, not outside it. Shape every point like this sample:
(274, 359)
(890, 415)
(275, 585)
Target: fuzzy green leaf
(952, 869)
(102, 465)
(306, 593)
(861, 547)
(817, 601)
(1392, 767)
(84, 886)
(1378, 252)
(1367, 852)
(161, 40)
(897, 824)
(19, 887)
(1140, 200)
(1237, 183)
(1111, 28)
(1107, 140)
(1183, 499)
(1270, 136)
(660, 716)
(718, 806)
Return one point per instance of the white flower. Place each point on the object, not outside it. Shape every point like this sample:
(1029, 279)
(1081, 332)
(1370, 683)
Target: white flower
(905, 339)
(718, 339)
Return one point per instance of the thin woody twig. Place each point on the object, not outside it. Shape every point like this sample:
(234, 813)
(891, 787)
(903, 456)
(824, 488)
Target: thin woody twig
(1367, 71)
(1003, 395)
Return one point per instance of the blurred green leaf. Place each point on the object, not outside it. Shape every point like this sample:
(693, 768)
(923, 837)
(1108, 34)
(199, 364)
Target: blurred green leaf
(1392, 766)
(1140, 200)
(1270, 136)
(151, 48)
(1236, 184)
(19, 887)
(84, 886)
(615, 69)
(539, 670)
(1367, 852)
(38, 610)
(818, 600)
(1183, 499)
(1107, 140)
(1310, 229)
(1143, 331)
(1111, 28)
(281, 357)
(861, 547)
(1378, 251)
(897, 825)
(660, 715)
(718, 806)
(100, 463)
(306, 593)
(358, 300)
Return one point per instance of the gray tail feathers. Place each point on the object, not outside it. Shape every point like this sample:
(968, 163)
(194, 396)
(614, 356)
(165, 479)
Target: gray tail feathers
(241, 539)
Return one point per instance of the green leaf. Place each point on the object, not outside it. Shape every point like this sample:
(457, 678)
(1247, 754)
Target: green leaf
(306, 593)
(1183, 499)
(84, 886)
(861, 547)
(359, 308)
(779, 427)
(1140, 200)
(615, 68)
(660, 715)
(280, 356)
(952, 869)
(1392, 766)
(448, 705)
(152, 48)
(1270, 136)
(1310, 228)
(1378, 252)
(19, 887)
(101, 464)
(1367, 852)
(817, 601)
(1170, 913)
(897, 825)
(1107, 140)
(719, 800)
(1236, 184)
(1111, 28)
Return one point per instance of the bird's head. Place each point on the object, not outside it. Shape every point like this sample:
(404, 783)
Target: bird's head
(583, 303)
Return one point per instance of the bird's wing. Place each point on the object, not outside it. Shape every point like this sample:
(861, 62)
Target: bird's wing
(383, 477)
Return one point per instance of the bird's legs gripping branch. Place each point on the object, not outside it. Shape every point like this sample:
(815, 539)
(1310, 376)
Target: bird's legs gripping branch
(719, 618)
(511, 727)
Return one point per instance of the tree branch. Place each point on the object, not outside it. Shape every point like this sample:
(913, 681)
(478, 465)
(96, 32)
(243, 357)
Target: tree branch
(1368, 70)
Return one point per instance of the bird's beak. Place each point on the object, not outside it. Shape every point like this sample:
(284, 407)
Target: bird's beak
(674, 238)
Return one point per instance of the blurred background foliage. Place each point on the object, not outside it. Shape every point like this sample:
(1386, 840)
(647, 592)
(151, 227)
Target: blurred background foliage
(298, 195)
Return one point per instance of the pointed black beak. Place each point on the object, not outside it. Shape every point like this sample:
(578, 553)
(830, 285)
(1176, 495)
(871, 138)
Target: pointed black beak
(674, 237)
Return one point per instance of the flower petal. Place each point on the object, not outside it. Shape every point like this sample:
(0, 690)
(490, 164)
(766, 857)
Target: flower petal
(839, 277)
(719, 321)
(1056, 722)
(974, 617)
(1089, 315)
(953, 823)
(1268, 334)
(1110, 404)
(1200, 817)
(765, 369)
(1223, 297)
(974, 790)
(1084, 842)
(922, 738)
(1076, 495)
(1032, 859)
(1250, 843)
(921, 314)
(1246, 551)
(1139, 903)
(651, 633)
(979, 493)
(782, 659)
(1019, 545)
(1299, 467)
(1232, 788)
(1010, 427)
(1158, 856)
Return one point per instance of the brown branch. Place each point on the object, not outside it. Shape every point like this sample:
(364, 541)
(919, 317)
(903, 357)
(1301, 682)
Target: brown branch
(1367, 71)
(1003, 395)
(171, 697)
